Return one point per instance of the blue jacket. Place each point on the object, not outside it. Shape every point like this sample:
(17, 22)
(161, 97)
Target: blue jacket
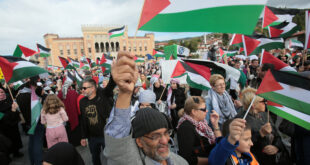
(222, 152)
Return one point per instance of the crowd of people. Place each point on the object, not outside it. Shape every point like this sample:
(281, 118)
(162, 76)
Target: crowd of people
(132, 117)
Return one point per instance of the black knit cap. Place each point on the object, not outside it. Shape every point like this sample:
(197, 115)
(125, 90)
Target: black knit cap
(148, 120)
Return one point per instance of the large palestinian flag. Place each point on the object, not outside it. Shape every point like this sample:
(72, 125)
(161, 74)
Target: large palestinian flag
(233, 16)
(15, 68)
(296, 117)
(74, 63)
(23, 52)
(230, 53)
(43, 51)
(65, 63)
(284, 30)
(253, 45)
(226, 71)
(287, 89)
(274, 16)
(116, 32)
(278, 64)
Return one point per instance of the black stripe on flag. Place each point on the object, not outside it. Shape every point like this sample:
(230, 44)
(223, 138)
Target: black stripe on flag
(278, 11)
(117, 29)
(44, 48)
(13, 59)
(215, 69)
(292, 79)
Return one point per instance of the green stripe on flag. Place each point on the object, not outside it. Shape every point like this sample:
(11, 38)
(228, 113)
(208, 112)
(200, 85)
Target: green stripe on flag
(289, 117)
(195, 85)
(217, 19)
(287, 101)
(35, 115)
(1, 115)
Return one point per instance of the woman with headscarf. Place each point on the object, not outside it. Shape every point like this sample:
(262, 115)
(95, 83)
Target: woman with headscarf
(9, 118)
(219, 99)
(160, 92)
(195, 137)
(175, 99)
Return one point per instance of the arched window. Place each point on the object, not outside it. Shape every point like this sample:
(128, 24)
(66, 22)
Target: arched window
(107, 47)
(102, 47)
(97, 47)
(117, 46)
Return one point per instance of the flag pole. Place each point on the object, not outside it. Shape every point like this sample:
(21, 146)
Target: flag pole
(163, 92)
(261, 57)
(249, 107)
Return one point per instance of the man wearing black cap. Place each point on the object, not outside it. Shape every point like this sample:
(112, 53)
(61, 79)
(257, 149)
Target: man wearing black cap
(148, 141)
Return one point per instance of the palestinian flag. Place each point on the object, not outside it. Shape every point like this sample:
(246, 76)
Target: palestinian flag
(97, 61)
(84, 63)
(287, 89)
(65, 63)
(36, 107)
(295, 44)
(186, 16)
(105, 63)
(91, 62)
(15, 68)
(171, 52)
(17, 84)
(23, 52)
(158, 53)
(74, 63)
(78, 77)
(236, 40)
(294, 116)
(226, 71)
(284, 30)
(43, 51)
(278, 64)
(197, 76)
(275, 16)
(139, 59)
(69, 77)
(254, 45)
(228, 53)
(117, 32)
(307, 29)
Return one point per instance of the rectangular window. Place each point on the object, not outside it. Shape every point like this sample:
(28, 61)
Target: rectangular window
(89, 50)
(140, 48)
(75, 52)
(68, 51)
(145, 48)
(61, 52)
(135, 49)
(82, 51)
(124, 48)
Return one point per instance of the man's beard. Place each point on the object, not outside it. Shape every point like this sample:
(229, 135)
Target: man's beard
(155, 156)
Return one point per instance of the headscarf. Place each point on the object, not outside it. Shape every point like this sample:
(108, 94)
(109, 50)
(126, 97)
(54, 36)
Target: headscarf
(152, 82)
(170, 90)
(65, 87)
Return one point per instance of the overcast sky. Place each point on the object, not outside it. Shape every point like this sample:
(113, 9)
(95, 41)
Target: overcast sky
(25, 22)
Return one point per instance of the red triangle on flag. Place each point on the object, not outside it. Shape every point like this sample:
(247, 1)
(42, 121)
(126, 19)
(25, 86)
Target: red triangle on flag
(178, 70)
(274, 32)
(154, 52)
(63, 61)
(103, 60)
(269, 17)
(150, 9)
(269, 84)
(273, 104)
(7, 68)
(250, 44)
(26, 51)
(269, 58)
(204, 71)
(237, 38)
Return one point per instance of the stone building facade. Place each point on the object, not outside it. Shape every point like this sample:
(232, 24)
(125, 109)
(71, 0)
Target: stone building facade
(94, 43)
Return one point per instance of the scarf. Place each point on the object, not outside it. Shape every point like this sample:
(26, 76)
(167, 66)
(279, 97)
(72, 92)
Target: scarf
(223, 105)
(201, 127)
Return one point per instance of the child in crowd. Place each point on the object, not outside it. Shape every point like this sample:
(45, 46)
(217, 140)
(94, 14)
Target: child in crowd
(235, 148)
(53, 115)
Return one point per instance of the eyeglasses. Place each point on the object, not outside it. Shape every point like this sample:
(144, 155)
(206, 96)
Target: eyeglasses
(84, 88)
(203, 109)
(263, 101)
(157, 136)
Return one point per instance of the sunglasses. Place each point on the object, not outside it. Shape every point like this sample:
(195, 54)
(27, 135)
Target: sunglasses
(203, 109)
